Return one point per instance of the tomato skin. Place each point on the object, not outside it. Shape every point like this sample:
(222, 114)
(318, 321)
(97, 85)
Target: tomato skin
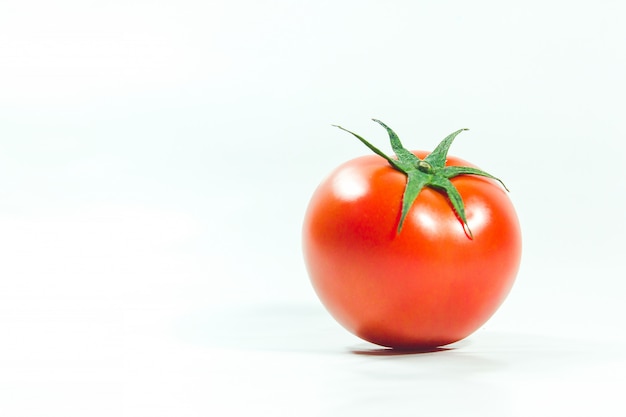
(429, 285)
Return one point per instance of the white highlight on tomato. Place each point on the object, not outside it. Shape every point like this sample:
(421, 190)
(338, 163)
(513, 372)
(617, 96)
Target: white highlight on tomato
(426, 220)
(477, 217)
(349, 185)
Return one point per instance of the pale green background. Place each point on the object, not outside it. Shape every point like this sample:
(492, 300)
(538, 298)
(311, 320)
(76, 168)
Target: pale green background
(156, 159)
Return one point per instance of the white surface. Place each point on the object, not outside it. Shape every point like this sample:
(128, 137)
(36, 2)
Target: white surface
(156, 159)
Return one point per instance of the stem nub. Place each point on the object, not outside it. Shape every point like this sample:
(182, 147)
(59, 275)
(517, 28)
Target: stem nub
(425, 167)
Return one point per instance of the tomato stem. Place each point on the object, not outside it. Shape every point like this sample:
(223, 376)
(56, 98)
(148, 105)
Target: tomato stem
(428, 172)
(425, 167)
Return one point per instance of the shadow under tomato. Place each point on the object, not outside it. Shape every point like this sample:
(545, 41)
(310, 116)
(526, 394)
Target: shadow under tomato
(399, 352)
(374, 350)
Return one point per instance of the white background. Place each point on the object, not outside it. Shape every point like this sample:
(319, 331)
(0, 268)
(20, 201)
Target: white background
(156, 159)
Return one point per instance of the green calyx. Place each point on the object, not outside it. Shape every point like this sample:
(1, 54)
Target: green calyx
(428, 172)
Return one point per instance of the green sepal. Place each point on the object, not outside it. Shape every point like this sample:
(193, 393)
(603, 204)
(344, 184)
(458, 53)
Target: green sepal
(437, 158)
(445, 185)
(394, 163)
(414, 184)
(453, 171)
(429, 172)
(404, 155)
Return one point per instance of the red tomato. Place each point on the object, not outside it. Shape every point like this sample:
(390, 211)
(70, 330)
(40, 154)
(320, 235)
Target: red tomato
(426, 286)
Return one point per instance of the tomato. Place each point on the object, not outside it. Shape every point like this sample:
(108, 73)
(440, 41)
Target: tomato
(433, 282)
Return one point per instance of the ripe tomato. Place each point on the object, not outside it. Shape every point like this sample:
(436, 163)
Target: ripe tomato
(429, 284)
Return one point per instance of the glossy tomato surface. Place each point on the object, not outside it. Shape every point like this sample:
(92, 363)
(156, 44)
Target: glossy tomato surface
(430, 284)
